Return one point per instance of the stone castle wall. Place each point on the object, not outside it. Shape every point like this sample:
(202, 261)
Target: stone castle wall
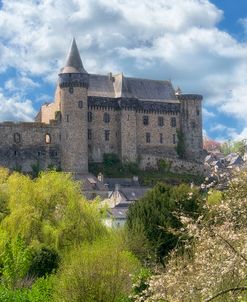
(97, 144)
(25, 144)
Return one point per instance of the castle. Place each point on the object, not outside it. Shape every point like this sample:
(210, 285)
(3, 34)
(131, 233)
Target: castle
(92, 114)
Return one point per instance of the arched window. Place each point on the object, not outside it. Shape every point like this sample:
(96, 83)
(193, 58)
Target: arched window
(17, 138)
(106, 117)
(47, 138)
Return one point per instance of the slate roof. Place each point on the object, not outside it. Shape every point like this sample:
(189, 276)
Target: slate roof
(73, 61)
(123, 182)
(133, 194)
(119, 86)
(118, 212)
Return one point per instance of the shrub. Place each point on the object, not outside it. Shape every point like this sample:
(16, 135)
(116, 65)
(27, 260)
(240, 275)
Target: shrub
(96, 272)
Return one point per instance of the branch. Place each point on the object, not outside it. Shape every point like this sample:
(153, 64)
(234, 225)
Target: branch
(234, 289)
(233, 248)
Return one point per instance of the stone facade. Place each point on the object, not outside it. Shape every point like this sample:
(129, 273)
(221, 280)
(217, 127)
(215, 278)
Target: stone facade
(95, 114)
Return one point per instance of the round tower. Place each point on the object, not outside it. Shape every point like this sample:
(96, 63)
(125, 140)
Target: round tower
(73, 83)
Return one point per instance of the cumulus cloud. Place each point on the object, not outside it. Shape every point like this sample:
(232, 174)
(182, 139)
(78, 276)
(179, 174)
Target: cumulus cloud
(15, 108)
(161, 39)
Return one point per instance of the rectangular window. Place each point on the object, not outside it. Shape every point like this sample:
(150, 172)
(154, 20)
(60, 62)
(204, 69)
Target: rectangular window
(145, 120)
(160, 121)
(89, 116)
(89, 134)
(67, 118)
(173, 122)
(80, 104)
(161, 138)
(174, 139)
(148, 138)
(107, 135)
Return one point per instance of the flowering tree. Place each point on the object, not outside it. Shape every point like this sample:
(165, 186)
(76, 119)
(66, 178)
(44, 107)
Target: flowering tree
(214, 265)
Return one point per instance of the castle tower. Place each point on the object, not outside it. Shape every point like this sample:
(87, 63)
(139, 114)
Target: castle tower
(191, 125)
(72, 93)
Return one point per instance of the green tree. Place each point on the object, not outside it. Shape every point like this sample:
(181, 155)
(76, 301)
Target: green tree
(156, 216)
(50, 210)
(233, 147)
(100, 271)
(16, 260)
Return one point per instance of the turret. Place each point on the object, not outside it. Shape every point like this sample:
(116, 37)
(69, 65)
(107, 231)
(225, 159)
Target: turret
(191, 125)
(73, 83)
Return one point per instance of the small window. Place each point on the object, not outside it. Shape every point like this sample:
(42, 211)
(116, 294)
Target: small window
(67, 118)
(89, 116)
(128, 117)
(173, 122)
(17, 138)
(148, 138)
(15, 153)
(39, 153)
(106, 117)
(145, 120)
(80, 104)
(71, 89)
(89, 134)
(160, 121)
(47, 138)
(161, 138)
(174, 139)
(193, 124)
(197, 111)
(107, 135)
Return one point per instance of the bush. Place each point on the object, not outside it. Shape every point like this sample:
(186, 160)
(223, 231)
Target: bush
(96, 272)
(44, 262)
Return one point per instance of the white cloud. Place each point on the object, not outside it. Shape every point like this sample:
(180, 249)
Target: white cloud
(156, 39)
(14, 108)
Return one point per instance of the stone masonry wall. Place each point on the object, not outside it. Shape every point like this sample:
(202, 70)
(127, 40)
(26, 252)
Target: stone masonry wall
(97, 145)
(128, 135)
(177, 165)
(25, 144)
(155, 130)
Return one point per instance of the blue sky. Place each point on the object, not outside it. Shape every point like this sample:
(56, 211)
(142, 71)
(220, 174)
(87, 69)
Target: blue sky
(200, 45)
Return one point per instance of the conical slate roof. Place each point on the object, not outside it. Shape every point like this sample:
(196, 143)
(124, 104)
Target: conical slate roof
(73, 61)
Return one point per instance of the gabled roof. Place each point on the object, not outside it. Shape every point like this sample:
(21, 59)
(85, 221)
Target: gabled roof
(73, 62)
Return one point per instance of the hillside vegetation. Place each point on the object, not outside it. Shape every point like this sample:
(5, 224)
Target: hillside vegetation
(178, 244)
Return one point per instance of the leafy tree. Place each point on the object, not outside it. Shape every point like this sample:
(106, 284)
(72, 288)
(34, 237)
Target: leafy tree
(50, 210)
(96, 272)
(233, 147)
(157, 215)
(16, 260)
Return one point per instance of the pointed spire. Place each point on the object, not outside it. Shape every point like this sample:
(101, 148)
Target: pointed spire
(73, 59)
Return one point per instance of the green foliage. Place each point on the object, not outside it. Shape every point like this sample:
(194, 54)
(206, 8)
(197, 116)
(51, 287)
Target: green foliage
(96, 272)
(41, 290)
(50, 210)
(214, 197)
(156, 216)
(164, 165)
(16, 259)
(44, 262)
(110, 159)
(233, 147)
(35, 169)
(140, 281)
(180, 148)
